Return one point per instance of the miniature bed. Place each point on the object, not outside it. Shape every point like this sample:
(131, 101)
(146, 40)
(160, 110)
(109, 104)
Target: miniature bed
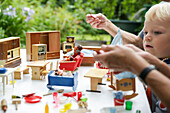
(71, 65)
(89, 60)
(55, 80)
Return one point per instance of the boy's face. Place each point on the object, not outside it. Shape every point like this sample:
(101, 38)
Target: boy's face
(157, 37)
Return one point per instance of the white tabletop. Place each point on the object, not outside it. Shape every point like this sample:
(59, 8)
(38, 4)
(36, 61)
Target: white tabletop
(96, 101)
(9, 71)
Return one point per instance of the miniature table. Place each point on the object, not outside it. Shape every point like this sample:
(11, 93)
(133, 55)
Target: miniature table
(37, 67)
(96, 76)
(8, 72)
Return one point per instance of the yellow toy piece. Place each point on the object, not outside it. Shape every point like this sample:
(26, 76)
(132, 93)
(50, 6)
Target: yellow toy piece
(108, 79)
(1, 66)
(66, 107)
(12, 82)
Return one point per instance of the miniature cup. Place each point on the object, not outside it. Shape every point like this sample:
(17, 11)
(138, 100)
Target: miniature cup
(63, 100)
(129, 105)
(119, 102)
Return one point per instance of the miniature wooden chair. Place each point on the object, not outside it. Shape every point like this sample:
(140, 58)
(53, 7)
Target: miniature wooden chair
(45, 72)
(125, 84)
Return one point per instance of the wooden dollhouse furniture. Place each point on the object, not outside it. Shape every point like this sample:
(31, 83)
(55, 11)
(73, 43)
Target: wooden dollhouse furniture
(24, 70)
(70, 81)
(10, 71)
(89, 60)
(50, 38)
(45, 72)
(71, 65)
(39, 52)
(10, 51)
(125, 84)
(69, 45)
(37, 67)
(96, 76)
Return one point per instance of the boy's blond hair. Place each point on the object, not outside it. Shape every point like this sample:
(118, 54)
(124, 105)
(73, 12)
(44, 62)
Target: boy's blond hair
(158, 11)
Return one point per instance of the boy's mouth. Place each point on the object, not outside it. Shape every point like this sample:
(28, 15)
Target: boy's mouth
(148, 46)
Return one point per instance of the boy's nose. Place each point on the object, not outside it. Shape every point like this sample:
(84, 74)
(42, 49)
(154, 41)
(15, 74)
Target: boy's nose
(148, 37)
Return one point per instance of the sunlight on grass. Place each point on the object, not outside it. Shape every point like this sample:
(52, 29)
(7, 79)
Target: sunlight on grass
(103, 37)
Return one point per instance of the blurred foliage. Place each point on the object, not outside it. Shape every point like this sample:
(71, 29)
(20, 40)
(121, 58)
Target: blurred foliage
(66, 16)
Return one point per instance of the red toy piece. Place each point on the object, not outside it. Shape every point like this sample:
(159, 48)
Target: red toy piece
(72, 65)
(32, 99)
(70, 94)
(79, 95)
(119, 102)
(28, 95)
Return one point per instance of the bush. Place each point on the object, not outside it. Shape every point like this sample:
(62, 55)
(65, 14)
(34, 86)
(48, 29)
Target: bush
(13, 23)
(48, 18)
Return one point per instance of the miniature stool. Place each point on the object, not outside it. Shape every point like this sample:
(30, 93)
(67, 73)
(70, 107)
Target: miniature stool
(17, 73)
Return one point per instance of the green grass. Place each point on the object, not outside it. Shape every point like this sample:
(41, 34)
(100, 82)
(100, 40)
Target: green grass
(103, 37)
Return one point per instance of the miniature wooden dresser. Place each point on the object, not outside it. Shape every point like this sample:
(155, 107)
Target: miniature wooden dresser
(10, 51)
(51, 38)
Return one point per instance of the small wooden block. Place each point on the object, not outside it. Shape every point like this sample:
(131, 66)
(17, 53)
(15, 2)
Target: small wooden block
(17, 75)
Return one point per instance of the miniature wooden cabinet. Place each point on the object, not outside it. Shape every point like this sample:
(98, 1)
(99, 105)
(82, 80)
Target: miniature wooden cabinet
(50, 38)
(10, 51)
(69, 45)
(39, 52)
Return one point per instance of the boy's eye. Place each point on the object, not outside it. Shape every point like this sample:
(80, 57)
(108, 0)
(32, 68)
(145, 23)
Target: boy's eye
(145, 33)
(157, 32)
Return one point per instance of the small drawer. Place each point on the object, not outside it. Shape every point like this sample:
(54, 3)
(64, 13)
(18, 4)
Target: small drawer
(53, 54)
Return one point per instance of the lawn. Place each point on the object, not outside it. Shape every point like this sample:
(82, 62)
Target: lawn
(103, 37)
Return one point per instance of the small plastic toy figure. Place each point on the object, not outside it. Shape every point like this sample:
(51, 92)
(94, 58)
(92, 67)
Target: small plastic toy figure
(59, 72)
(77, 51)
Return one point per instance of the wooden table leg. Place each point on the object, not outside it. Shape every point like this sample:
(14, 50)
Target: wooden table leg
(12, 74)
(35, 73)
(100, 81)
(6, 79)
(94, 82)
(3, 80)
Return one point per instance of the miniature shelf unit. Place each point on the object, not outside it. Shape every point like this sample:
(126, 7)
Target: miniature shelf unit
(39, 52)
(10, 51)
(50, 38)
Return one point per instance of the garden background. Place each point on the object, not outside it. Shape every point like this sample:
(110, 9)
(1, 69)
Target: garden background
(67, 16)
